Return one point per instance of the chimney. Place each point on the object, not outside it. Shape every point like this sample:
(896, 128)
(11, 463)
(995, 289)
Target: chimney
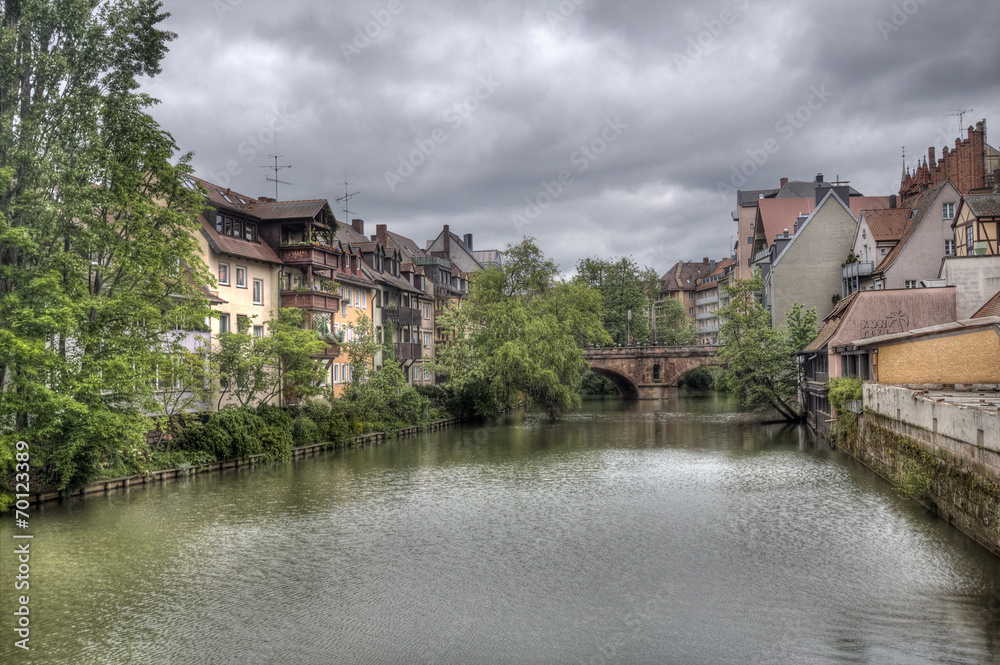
(819, 177)
(381, 234)
(930, 156)
(447, 241)
(820, 190)
(782, 182)
(786, 233)
(468, 242)
(359, 225)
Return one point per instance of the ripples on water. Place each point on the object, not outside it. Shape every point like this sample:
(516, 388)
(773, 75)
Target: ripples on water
(667, 532)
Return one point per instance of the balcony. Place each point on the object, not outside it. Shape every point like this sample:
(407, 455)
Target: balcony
(326, 302)
(404, 316)
(304, 255)
(859, 269)
(714, 328)
(707, 300)
(763, 256)
(701, 316)
(408, 350)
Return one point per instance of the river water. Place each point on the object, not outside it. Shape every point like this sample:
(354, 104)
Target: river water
(673, 531)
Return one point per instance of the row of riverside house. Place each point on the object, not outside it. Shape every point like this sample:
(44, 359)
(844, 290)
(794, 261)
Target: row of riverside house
(874, 267)
(268, 254)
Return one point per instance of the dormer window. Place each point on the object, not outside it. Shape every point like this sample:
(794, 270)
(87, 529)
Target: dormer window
(235, 227)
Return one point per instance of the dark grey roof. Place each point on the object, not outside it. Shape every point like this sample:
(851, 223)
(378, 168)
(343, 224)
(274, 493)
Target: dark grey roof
(983, 205)
(802, 189)
(750, 196)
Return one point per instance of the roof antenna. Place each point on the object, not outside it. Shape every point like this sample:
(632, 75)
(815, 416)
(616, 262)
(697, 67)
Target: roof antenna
(276, 168)
(346, 198)
(959, 113)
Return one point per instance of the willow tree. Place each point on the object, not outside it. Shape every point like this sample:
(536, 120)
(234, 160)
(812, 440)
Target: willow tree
(99, 267)
(760, 365)
(519, 336)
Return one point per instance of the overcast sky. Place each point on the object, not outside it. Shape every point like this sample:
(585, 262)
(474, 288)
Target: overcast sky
(600, 128)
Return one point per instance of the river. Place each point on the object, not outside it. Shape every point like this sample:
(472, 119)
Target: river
(672, 531)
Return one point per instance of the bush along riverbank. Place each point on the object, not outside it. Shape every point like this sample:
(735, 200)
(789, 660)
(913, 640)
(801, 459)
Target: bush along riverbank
(276, 442)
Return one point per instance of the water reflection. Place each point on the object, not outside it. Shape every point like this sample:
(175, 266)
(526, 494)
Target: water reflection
(641, 532)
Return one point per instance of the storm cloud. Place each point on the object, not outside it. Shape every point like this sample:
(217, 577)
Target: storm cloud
(600, 128)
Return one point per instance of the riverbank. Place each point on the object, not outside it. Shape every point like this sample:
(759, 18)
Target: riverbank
(945, 455)
(124, 483)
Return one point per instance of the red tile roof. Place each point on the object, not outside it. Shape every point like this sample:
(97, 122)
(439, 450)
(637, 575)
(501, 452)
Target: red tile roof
(990, 308)
(780, 214)
(887, 224)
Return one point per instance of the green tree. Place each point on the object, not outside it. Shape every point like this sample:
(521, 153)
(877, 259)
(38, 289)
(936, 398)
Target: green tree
(98, 259)
(254, 370)
(673, 325)
(760, 360)
(363, 348)
(519, 336)
(624, 288)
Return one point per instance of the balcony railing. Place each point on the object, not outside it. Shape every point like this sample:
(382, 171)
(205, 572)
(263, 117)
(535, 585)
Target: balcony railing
(404, 316)
(707, 300)
(408, 351)
(327, 302)
(701, 316)
(762, 255)
(859, 269)
(301, 255)
(714, 328)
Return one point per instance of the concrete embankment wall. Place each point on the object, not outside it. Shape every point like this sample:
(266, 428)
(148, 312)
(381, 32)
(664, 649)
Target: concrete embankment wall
(115, 484)
(905, 434)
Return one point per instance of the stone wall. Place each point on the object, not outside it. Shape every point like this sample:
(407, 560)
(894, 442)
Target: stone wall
(952, 452)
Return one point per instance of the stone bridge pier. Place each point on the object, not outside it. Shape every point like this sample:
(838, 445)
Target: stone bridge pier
(646, 372)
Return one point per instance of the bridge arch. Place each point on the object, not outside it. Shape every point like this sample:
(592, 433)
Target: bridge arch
(647, 372)
(626, 387)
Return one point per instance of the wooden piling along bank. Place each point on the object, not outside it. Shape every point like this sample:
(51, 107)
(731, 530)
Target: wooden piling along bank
(115, 484)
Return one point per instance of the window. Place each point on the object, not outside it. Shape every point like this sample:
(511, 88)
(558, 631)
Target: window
(345, 372)
(948, 210)
(949, 247)
(427, 375)
(427, 312)
(350, 297)
(364, 300)
(224, 274)
(258, 292)
(416, 373)
(241, 277)
(357, 298)
(427, 340)
(223, 323)
(749, 240)
(910, 284)
(242, 323)
(970, 240)
(258, 331)
(691, 311)
(336, 373)
(343, 307)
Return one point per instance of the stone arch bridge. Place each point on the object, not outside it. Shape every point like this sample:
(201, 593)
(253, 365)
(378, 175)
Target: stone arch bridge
(645, 372)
